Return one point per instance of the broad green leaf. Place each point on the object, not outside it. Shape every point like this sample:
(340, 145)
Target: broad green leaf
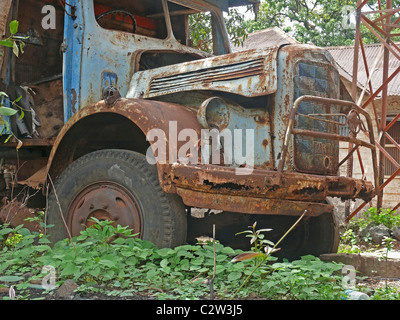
(151, 274)
(7, 43)
(165, 252)
(233, 276)
(42, 248)
(7, 111)
(11, 278)
(94, 272)
(44, 240)
(228, 250)
(131, 261)
(69, 269)
(197, 261)
(24, 231)
(4, 231)
(164, 263)
(221, 257)
(107, 263)
(14, 27)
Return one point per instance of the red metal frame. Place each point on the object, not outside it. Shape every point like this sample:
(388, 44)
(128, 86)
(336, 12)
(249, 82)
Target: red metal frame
(382, 27)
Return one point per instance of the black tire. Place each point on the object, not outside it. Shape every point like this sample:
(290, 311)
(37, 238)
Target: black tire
(121, 186)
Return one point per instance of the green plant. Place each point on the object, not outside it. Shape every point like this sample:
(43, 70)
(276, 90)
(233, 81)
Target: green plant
(349, 242)
(109, 259)
(258, 242)
(14, 41)
(258, 238)
(388, 243)
(386, 293)
(356, 234)
(382, 216)
(17, 44)
(306, 279)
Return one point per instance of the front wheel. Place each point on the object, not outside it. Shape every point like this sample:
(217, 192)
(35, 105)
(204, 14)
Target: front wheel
(120, 186)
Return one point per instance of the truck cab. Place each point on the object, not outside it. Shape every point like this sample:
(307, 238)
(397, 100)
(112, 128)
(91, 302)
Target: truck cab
(136, 125)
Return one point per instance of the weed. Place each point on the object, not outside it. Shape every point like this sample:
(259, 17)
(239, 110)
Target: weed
(382, 216)
(111, 260)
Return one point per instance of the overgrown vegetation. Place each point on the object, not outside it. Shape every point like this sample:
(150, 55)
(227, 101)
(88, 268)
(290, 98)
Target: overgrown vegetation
(111, 261)
(356, 239)
(17, 44)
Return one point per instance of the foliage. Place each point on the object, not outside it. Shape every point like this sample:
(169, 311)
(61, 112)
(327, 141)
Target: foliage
(201, 29)
(316, 21)
(382, 216)
(112, 261)
(320, 22)
(354, 235)
(306, 279)
(16, 43)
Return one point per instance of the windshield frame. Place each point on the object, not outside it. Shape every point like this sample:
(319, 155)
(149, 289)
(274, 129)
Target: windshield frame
(220, 37)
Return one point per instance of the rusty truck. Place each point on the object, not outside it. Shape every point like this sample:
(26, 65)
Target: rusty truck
(117, 107)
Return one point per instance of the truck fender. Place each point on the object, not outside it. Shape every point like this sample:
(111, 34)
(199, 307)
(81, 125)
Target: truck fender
(124, 125)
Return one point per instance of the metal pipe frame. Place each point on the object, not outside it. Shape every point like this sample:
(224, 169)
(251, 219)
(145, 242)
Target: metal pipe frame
(326, 135)
(381, 27)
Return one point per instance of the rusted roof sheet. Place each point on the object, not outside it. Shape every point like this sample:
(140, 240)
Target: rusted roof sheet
(271, 37)
(344, 57)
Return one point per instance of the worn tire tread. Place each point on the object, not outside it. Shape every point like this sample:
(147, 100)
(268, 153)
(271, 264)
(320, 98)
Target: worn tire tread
(171, 204)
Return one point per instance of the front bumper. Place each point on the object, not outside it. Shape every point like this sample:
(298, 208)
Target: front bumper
(263, 191)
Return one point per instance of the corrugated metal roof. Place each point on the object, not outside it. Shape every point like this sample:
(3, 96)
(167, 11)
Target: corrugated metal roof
(344, 57)
(267, 38)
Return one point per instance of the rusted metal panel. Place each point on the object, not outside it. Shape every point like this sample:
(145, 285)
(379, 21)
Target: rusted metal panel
(88, 58)
(305, 70)
(145, 114)
(250, 73)
(353, 124)
(267, 184)
(251, 205)
(15, 213)
(36, 181)
(316, 154)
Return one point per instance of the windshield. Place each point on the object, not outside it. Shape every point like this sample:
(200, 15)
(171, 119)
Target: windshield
(163, 19)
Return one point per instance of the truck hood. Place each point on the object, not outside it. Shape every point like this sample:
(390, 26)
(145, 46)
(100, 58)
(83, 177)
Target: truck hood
(248, 73)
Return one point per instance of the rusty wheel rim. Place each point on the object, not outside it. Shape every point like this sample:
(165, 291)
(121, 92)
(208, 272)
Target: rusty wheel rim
(104, 201)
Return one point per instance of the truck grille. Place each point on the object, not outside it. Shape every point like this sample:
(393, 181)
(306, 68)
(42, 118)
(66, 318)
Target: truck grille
(176, 83)
(311, 154)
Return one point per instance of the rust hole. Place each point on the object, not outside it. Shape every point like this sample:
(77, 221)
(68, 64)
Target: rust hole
(81, 203)
(121, 203)
(327, 162)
